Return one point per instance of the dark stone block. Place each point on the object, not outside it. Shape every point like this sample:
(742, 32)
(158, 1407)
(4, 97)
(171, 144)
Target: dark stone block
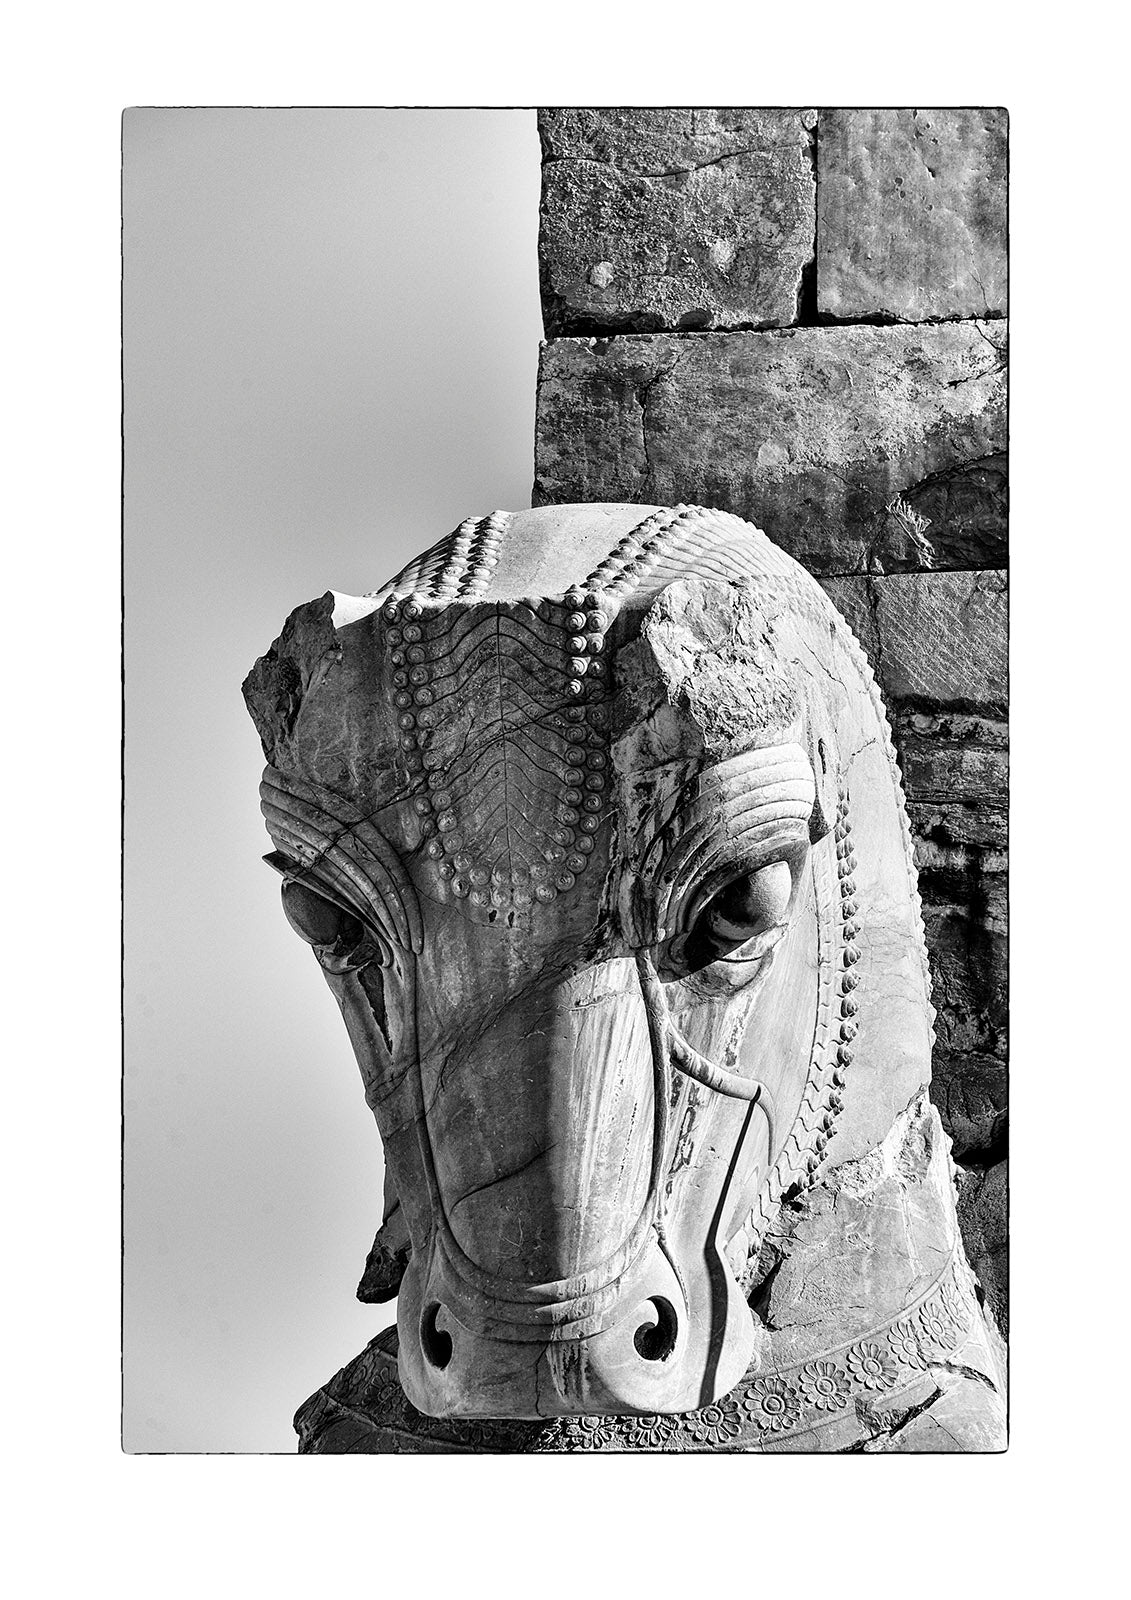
(970, 1092)
(983, 1215)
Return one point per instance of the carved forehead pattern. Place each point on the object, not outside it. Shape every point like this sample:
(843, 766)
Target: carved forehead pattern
(503, 741)
(502, 704)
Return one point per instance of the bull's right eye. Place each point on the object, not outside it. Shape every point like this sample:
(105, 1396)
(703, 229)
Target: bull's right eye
(318, 920)
(736, 923)
(748, 906)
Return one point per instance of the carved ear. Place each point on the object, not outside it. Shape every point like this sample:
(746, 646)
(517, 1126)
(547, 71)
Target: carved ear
(822, 746)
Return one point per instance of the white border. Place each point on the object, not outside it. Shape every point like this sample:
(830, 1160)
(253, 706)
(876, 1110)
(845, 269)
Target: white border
(182, 1526)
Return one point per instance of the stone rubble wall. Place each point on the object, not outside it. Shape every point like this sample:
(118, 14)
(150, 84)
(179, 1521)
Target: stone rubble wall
(798, 316)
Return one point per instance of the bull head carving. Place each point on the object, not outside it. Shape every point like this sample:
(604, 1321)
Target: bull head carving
(566, 812)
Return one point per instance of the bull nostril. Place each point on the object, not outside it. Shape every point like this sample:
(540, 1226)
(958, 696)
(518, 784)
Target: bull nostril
(655, 1341)
(437, 1344)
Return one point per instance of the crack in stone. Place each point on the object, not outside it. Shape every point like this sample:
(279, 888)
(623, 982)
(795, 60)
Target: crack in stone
(641, 393)
(807, 288)
(871, 594)
(504, 1177)
(587, 328)
(893, 1429)
(671, 172)
(961, 1371)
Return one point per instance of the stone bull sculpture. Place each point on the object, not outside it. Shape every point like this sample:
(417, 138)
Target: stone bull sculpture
(592, 821)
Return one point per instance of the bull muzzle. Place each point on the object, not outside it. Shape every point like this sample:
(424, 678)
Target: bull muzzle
(559, 1281)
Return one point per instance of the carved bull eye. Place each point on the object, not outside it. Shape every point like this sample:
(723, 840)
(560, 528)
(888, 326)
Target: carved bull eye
(341, 941)
(318, 920)
(744, 912)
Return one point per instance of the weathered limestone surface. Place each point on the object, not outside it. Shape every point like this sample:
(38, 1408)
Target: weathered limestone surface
(674, 218)
(932, 636)
(841, 441)
(937, 642)
(592, 821)
(911, 213)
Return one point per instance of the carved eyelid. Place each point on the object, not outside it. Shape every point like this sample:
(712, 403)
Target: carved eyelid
(787, 845)
(735, 958)
(741, 814)
(343, 857)
(292, 871)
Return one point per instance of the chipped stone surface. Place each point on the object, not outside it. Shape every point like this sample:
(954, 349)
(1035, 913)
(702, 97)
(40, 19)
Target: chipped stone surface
(825, 437)
(889, 1206)
(966, 507)
(942, 1425)
(911, 213)
(674, 218)
(964, 913)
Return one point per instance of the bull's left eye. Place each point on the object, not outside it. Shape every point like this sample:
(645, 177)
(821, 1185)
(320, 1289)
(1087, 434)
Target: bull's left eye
(750, 906)
(318, 920)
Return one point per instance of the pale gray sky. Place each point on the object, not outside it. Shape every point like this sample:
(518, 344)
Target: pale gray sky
(331, 337)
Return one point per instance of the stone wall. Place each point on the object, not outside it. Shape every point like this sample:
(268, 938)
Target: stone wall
(798, 316)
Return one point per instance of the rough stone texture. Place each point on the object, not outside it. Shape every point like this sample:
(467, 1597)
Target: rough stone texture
(837, 441)
(937, 642)
(674, 218)
(983, 1214)
(911, 214)
(592, 821)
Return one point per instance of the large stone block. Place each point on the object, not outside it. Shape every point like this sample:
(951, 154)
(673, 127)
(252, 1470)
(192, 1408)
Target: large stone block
(675, 218)
(831, 439)
(911, 214)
